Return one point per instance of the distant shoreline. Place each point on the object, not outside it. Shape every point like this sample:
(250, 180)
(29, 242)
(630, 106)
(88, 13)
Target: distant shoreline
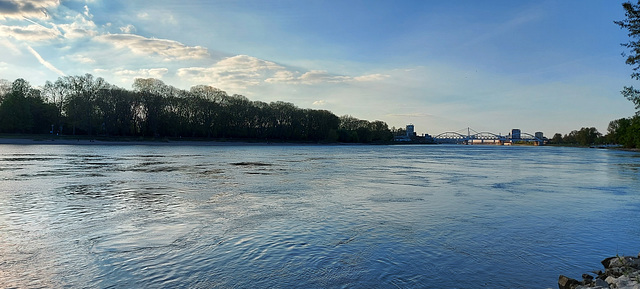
(84, 140)
(114, 141)
(17, 141)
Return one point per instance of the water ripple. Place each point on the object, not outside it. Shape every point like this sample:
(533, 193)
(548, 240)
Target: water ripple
(310, 217)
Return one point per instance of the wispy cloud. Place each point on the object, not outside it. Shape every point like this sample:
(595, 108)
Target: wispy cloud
(31, 33)
(80, 58)
(87, 13)
(128, 29)
(12, 47)
(319, 103)
(508, 27)
(371, 77)
(142, 73)
(26, 8)
(79, 27)
(44, 62)
(71, 27)
(236, 72)
(143, 15)
(168, 49)
(320, 76)
(242, 71)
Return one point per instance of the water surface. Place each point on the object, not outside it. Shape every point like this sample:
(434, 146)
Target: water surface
(312, 216)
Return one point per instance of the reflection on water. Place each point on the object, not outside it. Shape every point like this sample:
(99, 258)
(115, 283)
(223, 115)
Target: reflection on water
(311, 216)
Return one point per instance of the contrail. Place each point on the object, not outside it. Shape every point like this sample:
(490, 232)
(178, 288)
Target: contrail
(36, 23)
(45, 27)
(44, 62)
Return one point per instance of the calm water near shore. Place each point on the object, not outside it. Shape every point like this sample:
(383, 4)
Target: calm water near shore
(312, 216)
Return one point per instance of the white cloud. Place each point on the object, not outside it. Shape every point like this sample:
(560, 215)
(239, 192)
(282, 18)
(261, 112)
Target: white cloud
(142, 73)
(143, 15)
(19, 9)
(87, 13)
(319, 103)
(101, 71)
(128, 29)
(282, 76)
(160, 16)
(245, 63)
(371, 77)
(81, 59)
(12, 47)
(169, 49)
(242, 71)
(44, 62)
(79, 28)
(170, 19)
(33, 33)
(318, 76)
(239, 71)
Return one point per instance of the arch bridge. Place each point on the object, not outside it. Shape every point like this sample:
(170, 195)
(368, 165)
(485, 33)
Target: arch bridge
(456, 137)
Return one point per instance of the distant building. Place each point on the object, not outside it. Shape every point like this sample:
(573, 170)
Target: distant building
(410, 131)
(539, 135)
(515, 133)
(412, 137)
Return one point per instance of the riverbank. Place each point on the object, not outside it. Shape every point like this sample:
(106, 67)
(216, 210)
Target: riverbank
(608, 147)
(84, 140)
(13, 141)
(46, 139)
(621, 272)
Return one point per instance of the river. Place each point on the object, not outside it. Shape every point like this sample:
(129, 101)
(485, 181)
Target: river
(312, 216)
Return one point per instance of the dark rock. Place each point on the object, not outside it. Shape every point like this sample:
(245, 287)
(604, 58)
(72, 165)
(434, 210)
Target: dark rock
(565, 282)
(587, 280)
(614, 272)
(601, 283)
(620, 262)
(606, 262)
(599, 272)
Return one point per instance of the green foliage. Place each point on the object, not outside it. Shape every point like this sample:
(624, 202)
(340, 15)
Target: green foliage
(632, 24)
(556, 139)
(85, 105)
(586, 136)
(352, 129)
(23, 110)
(632, 95)
(625, 131)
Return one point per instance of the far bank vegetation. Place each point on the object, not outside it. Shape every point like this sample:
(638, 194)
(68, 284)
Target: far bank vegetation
(89, 106)
(624, 132)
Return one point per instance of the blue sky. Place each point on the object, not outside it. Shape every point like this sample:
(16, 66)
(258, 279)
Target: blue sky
(550, 65)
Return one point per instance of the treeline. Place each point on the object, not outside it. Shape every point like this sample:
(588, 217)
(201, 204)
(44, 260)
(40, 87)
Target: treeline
(84, 105)
(624, 131)
(586, 136)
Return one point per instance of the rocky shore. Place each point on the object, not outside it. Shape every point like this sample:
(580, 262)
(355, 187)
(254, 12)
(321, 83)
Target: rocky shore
(620, 272)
